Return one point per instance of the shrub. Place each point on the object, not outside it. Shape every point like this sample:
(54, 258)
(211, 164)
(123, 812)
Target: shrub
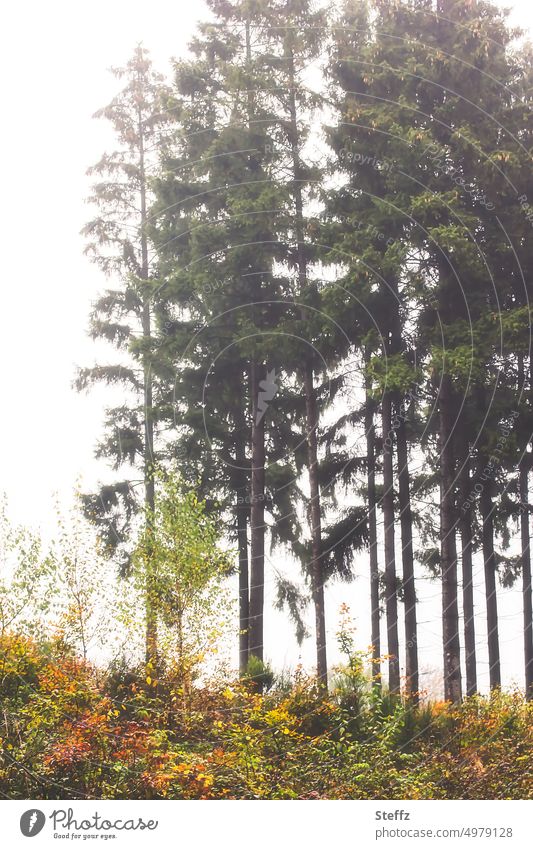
(72, 731)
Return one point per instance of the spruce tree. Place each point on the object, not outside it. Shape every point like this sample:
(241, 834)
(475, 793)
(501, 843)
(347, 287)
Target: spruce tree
(216, 239)
(119, 243)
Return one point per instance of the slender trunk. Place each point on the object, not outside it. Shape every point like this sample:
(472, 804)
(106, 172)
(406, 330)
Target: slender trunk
(317, 578)
(257, 499)
(373, 537)
(396, 430)
(182, 663)
(465, 527)
(242, 514)
(257, 520)
(491, 598)
(409, 590)
(525, 537)
(391, 598)
(526, 576)
(244, 589)
(316, 545)
(242, 511)
(450, 609)
(149, 484)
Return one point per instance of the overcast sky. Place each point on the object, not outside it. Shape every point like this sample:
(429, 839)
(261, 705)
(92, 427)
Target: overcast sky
(55, 57)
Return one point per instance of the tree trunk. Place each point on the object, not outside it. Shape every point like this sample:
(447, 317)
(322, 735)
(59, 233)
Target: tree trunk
(526, 577)
(525, 537)
(391, 599)
(409, 591)
(310, 395)
(257, 496)
(242, 515)
(465, 527)
(244, 590)
(316, 534)
(257, 520)
(149, 499)
(491, 598)
(372, 536)
(450, 610)
(149, 484)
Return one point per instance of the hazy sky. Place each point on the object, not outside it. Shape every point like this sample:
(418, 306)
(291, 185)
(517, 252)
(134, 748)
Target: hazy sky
(55, 57)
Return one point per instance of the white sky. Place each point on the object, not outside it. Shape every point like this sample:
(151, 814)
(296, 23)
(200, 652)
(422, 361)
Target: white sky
(54, 60)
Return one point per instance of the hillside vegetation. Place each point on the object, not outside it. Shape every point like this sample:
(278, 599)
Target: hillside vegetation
(70, 731)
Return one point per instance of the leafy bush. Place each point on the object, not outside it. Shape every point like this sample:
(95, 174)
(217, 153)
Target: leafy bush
(71, 731)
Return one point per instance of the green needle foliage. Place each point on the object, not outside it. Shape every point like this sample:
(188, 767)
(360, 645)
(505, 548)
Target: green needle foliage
(331, 338)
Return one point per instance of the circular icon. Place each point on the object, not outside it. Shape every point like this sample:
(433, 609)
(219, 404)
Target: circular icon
(32, 822)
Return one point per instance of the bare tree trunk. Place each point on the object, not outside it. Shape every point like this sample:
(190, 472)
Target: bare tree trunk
(257, 521)
(317, 579)
(244, 590)
(316, 544)
(409, 590)
(465, 526)
(257, 500)
(149, 485)
(149, 460)
(491, 598)
(242, 511)
(242, 515)
(391, 599)
(450, 609)
(372, 535)
(525, 537)
(526, 577)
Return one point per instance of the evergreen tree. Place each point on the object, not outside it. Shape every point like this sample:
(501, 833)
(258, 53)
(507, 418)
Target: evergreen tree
(216, 239)
(291, 38)
(264, 309)
(118, 242)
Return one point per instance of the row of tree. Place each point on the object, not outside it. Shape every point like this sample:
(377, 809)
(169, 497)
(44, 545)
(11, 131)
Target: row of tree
(319, 233)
